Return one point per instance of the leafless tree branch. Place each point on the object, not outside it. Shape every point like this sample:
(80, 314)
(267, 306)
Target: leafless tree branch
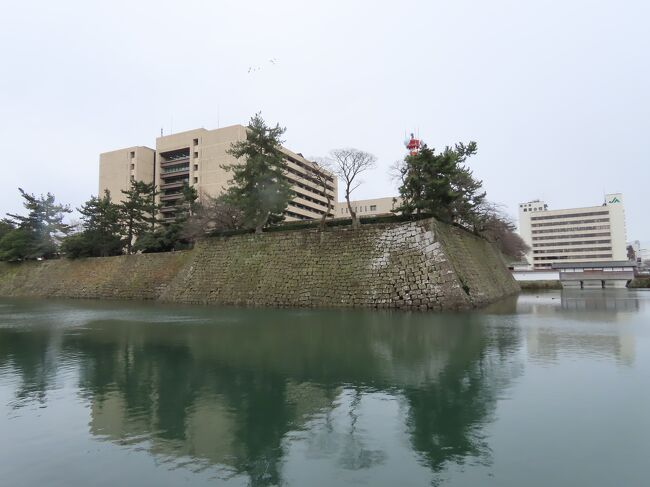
(348, 165)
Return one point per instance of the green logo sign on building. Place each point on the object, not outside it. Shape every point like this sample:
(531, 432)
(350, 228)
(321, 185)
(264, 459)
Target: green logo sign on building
(614, 200)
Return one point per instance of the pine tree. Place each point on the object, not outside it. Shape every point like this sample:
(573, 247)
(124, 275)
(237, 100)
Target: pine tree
(5, 227)
(259, 188)
(102, 230)
(138, 211)
(172, 236)
(41, 230)
(189, 204)
(441, 185)
(15, 245)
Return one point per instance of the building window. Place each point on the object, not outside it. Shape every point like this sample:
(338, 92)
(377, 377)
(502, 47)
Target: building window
(196, 154)
(132, 166)
(196, 167)
(373, 207)
(525, 209)
(132, 155)
(196, 179)
(195, 142)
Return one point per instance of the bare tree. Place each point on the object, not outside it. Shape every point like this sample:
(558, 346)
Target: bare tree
(348, 165)
(213, 214)
(397, 171)
(631, 254)
(497, 227)
(321, 169)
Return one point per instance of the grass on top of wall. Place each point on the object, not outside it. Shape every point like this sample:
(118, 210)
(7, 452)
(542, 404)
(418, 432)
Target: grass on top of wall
(314, 224)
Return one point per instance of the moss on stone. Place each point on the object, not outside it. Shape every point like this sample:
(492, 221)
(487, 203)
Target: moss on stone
(411, 265)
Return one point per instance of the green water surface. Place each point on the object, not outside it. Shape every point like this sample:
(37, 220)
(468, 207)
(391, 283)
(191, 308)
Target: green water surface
(546, 389)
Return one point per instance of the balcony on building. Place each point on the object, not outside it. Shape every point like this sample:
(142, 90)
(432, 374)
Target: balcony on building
(174, 165)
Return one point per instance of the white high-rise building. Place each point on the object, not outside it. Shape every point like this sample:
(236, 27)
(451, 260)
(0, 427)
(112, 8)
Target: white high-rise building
(574, 235)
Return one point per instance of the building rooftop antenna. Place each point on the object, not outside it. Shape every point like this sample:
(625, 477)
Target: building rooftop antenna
(413, 144)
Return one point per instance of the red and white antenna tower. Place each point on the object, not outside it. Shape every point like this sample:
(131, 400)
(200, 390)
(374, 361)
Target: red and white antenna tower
(413, 144)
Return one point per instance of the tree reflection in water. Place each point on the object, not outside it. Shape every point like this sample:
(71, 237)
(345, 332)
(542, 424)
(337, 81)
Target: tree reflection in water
(232, 389)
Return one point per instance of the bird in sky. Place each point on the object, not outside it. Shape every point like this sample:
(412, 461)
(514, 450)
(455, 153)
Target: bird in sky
(253, 69)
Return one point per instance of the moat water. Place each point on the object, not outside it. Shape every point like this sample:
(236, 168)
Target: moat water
(547, 389)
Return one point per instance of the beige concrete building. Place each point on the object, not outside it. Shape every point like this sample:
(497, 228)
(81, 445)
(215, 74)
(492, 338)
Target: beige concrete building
(371, 207)
(196, 157)
(575, 235)
(117, 168)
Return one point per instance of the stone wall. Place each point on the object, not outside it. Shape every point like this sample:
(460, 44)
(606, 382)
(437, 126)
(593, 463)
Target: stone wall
(415, 265)
(139, 277)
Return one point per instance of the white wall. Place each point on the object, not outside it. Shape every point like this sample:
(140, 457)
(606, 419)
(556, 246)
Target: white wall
(536, 275)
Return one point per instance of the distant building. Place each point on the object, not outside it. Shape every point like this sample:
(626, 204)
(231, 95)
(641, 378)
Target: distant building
(371, 207)
(195, 158)
(575, 235)
(641, 254)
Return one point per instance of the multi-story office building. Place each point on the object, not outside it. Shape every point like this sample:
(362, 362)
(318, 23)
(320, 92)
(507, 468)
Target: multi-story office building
(591, 234)
(196, 158)
(117, 169)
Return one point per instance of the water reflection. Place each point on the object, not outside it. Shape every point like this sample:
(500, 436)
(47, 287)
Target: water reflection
(262, 397)
(614, 301)
(561, 312)
(234, 389)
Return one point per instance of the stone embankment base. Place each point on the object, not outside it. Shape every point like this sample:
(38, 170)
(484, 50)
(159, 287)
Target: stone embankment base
(539, 285)
(415, 265)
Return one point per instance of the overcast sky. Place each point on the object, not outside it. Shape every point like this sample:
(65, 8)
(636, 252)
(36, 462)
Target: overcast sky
(556, 93)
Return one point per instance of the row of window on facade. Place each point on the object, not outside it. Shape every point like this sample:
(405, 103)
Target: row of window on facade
(309, 198)
(309, 178)
(297, 216)
(576, 235)
(570, 222)
(572, 229)
(570, 243)
(569, 215)
(361, 209)
(565, 251)
(310, 169)
(604, 269)
(306, 208)
(565, 257)
(312, 190)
